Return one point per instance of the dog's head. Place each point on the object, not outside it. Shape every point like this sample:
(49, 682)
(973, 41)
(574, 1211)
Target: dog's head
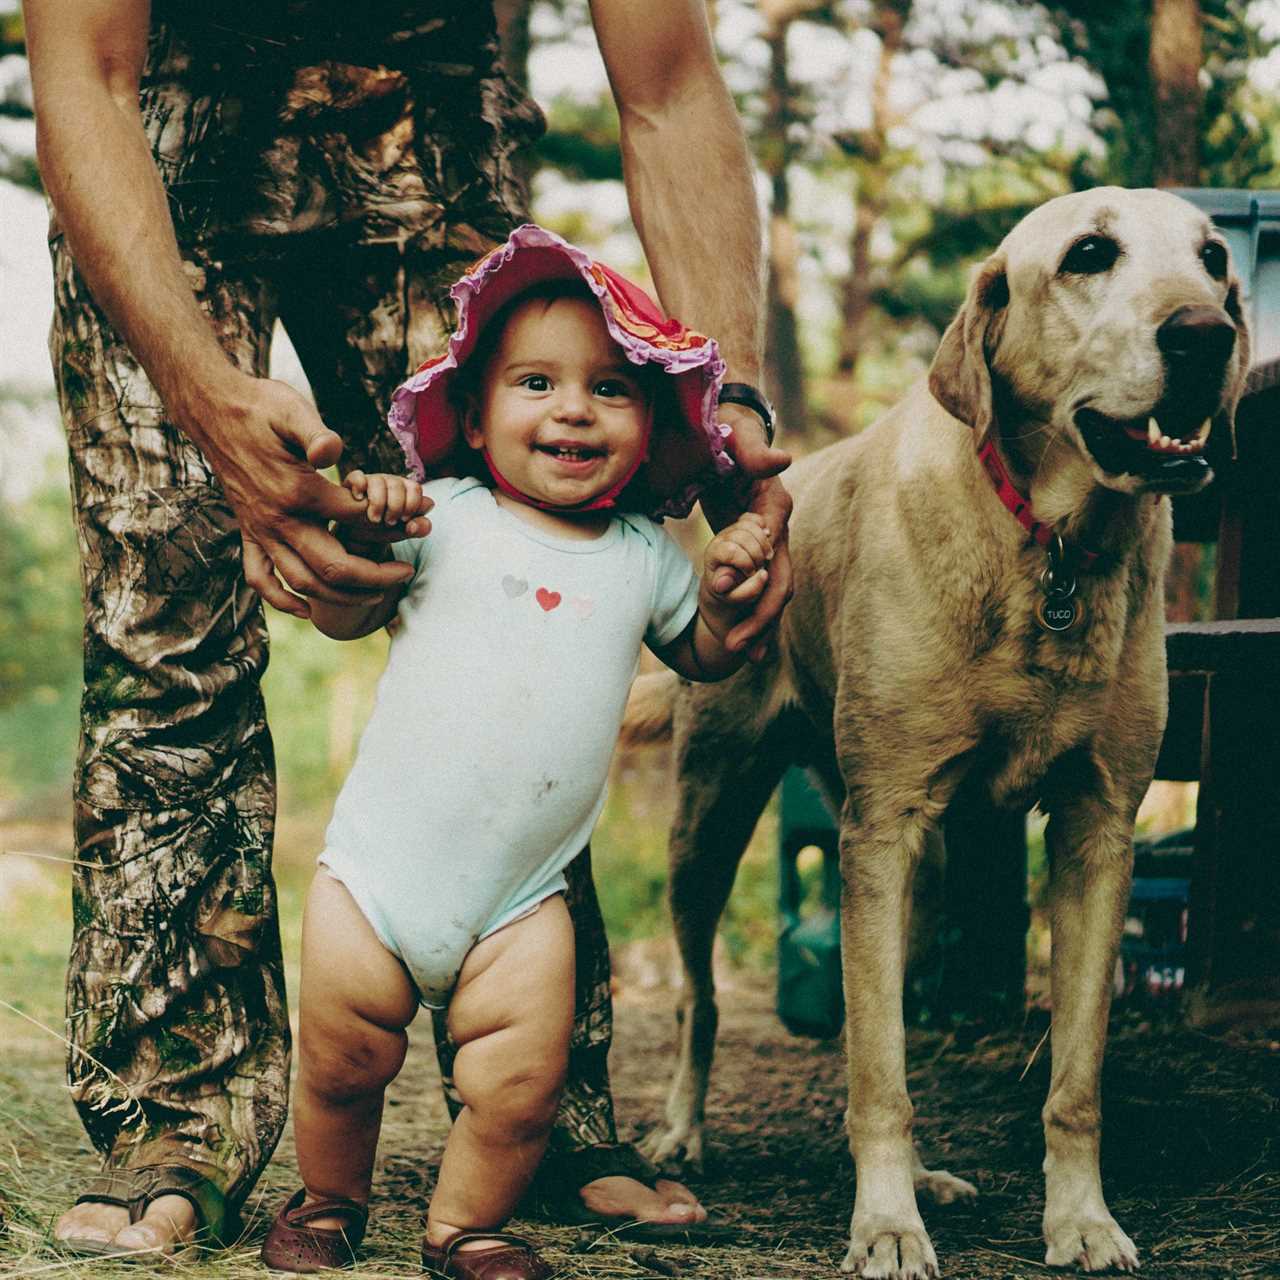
(1106, 332)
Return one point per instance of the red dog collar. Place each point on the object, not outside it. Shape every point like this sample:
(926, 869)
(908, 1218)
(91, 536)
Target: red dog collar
(1020, 505)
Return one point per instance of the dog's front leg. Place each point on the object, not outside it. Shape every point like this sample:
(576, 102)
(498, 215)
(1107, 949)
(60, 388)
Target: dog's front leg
(1090, 844)
(886, 1236)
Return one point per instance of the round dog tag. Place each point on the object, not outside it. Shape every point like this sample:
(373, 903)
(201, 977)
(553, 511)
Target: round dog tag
(1059, 613)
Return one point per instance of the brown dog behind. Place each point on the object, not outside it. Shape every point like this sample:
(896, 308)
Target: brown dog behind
(1095, 348)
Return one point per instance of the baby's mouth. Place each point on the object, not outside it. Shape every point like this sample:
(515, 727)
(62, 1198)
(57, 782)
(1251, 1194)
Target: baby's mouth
(570, 453)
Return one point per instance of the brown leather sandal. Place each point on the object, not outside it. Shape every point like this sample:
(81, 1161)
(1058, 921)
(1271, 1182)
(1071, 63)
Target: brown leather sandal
(511, 1257)
(292, 1245)
(133, 1190)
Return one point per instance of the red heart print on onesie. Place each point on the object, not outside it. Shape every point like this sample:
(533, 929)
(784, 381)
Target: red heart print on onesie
(547, 599)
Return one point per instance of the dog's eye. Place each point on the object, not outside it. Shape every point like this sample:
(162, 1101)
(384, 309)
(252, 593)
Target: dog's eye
(1089, 256)
(1214, 256)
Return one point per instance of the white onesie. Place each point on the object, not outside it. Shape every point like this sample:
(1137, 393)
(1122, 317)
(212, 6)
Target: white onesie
(483, 767)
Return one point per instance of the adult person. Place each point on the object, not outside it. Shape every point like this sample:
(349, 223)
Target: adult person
(213, 168)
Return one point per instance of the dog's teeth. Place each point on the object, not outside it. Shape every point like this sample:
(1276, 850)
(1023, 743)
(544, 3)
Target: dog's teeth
(1203, 434)
(1166, 442)
(1153, 432)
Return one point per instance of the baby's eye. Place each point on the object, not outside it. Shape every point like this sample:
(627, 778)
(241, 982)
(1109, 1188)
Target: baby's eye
(614, 388)
(536, 382)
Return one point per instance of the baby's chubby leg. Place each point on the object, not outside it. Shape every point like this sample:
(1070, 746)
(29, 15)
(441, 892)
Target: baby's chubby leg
(356, 1002)
(511, 1015)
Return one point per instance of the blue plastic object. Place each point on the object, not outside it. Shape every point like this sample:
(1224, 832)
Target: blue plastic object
(1250, 223)
(1153, 949)
(810, 983)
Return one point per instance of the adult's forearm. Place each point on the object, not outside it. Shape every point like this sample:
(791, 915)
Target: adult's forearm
(112, 207)
(689, 184)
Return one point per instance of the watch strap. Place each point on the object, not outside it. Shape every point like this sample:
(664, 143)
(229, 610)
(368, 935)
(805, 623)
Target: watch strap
(749, 397)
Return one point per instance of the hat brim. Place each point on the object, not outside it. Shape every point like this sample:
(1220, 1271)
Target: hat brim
(687, 450)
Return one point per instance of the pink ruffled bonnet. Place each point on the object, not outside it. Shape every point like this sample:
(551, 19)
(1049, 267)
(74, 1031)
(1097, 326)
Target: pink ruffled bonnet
(687, 448)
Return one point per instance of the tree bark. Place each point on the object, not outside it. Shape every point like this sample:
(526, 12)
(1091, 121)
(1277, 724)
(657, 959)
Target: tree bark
(784, 366)
(889, 22)
(1177, 53)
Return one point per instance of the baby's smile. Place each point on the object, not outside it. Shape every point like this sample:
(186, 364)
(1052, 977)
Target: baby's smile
(571, 453)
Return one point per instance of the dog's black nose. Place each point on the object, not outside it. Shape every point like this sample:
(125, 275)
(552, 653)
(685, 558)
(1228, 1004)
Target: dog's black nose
(1200, 333)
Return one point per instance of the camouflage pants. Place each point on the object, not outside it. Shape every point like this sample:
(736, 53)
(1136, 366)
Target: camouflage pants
(175, 992)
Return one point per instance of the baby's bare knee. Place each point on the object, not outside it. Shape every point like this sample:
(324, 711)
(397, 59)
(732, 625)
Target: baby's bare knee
(358, 1058)
(519, 1096)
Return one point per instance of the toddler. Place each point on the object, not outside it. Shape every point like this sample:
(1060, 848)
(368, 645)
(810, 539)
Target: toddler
(573, 410)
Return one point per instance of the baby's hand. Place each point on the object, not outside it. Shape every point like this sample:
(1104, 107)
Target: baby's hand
(734, 567)
(391, 500)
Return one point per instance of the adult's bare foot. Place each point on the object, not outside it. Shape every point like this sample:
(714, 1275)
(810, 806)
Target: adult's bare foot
(166, 1227)
(629, 1200)
(93, 1222)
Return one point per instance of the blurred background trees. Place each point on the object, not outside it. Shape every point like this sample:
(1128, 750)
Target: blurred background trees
(896, 142)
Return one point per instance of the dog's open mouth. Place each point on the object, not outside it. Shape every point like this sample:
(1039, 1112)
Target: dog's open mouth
(1164, 450)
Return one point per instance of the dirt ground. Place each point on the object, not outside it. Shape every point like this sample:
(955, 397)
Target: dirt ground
(1191, 1154)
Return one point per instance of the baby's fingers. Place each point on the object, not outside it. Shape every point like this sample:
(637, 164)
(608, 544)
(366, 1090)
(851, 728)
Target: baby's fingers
(397, 504)
(357, 483)
(376, 487)
(418, 503)
(750, 589)
(751, 534)
(728, 564)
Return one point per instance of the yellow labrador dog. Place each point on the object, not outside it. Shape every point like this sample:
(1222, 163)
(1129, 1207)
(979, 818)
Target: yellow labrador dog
(978, 590)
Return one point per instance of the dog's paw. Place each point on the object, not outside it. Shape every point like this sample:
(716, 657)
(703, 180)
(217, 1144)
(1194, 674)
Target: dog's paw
(881, 1249)
(1096, 1245)
(944, 1188)
(674, 1145)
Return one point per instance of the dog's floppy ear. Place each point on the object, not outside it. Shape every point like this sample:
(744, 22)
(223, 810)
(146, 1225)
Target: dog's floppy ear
(959, 378)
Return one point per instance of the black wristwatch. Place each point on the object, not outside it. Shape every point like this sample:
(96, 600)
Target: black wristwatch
(745, 394)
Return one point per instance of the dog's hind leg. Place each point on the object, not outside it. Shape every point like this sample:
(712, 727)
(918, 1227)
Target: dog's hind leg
(938, 1185)
(726, 775)
(1090, 843)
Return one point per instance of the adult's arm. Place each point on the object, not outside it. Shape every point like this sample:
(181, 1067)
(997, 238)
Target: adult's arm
(263, 440)
(693, 201)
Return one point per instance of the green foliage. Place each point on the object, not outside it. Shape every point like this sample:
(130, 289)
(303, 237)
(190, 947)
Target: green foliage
(629, 864)
(1238, 124)
(40, 615)
(18, 167)
(319, 693)
(582, 140)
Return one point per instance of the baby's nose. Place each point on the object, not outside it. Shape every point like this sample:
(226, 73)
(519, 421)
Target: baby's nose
(573, 405)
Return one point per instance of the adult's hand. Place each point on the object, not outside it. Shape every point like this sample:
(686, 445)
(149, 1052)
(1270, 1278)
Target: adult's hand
(765, 495)
(266, 444)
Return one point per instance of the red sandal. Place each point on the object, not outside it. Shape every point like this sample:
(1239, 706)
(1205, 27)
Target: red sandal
(292, 1245)
(510, 1257)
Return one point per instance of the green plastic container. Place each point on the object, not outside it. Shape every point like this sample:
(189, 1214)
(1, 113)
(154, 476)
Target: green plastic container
(810, 984)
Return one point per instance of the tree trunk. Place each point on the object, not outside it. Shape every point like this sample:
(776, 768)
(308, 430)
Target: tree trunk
(889, 20)
(1177, 53)
(512, 18)
(784, 367)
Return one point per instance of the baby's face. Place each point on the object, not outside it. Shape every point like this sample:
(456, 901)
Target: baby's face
(562, 411)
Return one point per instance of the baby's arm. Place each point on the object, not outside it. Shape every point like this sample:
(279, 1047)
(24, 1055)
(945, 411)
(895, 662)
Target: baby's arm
(390, 500)
(734, 576)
